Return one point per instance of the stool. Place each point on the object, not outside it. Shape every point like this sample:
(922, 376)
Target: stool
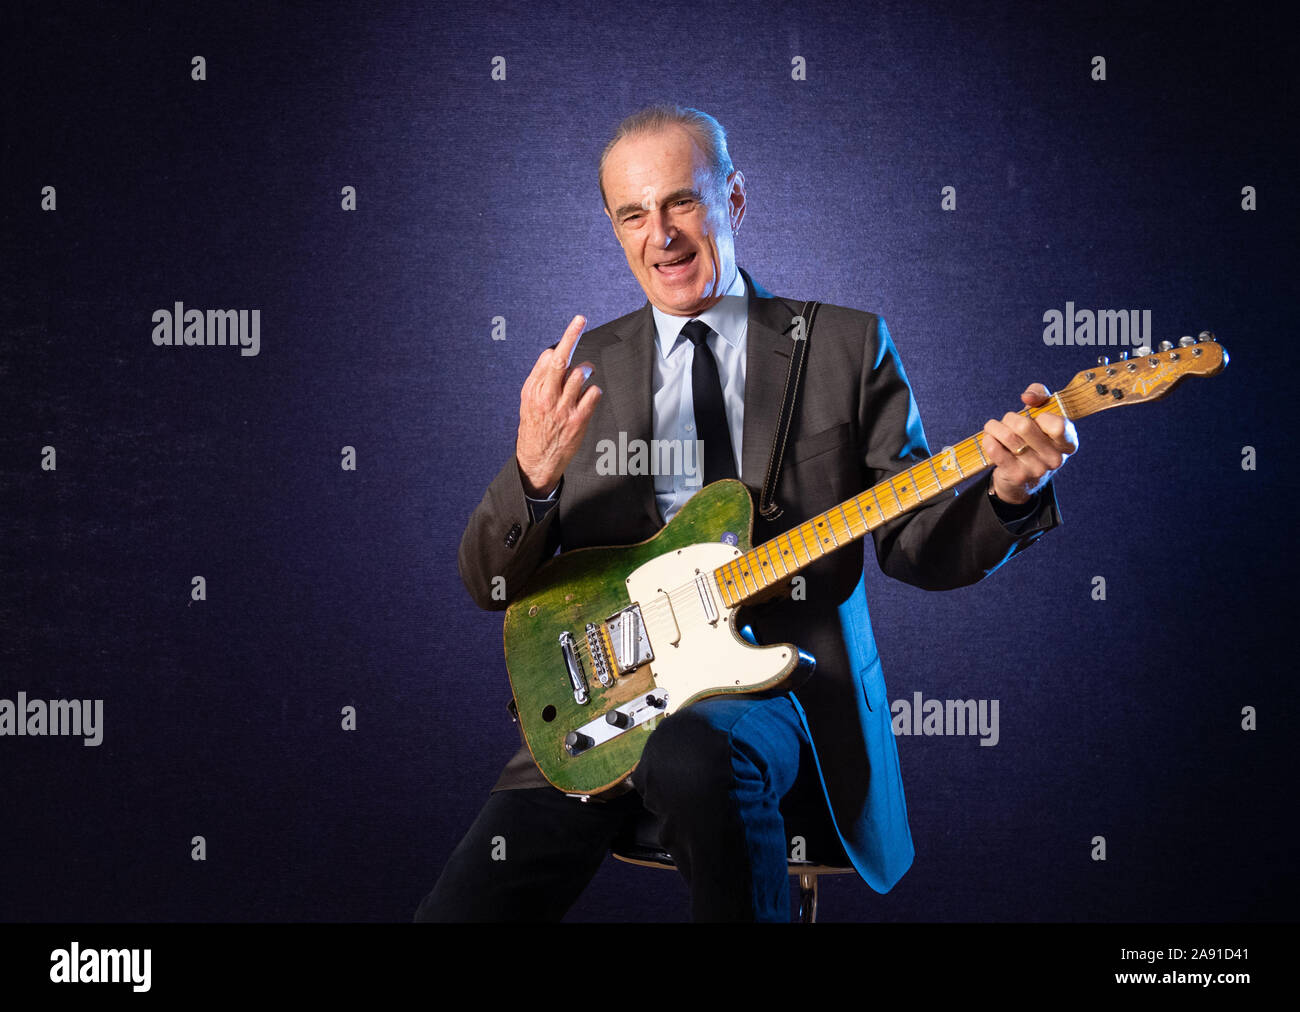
(641, 847)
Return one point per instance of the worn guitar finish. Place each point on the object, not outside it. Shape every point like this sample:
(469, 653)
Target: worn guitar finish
(606, 642)
(592, 584)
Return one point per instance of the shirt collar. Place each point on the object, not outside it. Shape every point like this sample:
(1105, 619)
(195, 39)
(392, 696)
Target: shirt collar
(728, 318)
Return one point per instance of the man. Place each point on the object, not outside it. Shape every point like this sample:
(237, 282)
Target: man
(722, 775)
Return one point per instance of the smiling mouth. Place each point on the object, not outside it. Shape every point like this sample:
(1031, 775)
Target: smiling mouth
(679, 262)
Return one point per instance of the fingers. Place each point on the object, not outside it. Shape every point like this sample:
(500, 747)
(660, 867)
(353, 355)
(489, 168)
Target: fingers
(564, 350)
(555, 371)
(587, 406)
(578, 375)
(1035, 394)
(1023, 437)
(549, 371)
(1026, 451)
(1003, 446)
(997, 454)
(1059, 432)
(554, 409)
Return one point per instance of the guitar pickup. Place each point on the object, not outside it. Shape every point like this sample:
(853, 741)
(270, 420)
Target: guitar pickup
(628, 640)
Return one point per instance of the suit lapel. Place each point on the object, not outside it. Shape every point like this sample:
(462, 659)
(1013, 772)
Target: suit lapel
(627, 370)
(767, 361)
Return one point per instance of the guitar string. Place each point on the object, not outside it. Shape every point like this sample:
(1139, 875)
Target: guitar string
(925, 487)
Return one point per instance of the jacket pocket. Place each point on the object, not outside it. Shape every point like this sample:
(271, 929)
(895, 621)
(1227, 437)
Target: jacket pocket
(820, 442)
(873, 685)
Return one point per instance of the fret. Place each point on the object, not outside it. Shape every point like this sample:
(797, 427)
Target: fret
(733, 580)
(729, 596)
(781, 556)
(730, 583)
(937, 479)
(771, 562)
(903, 492)
(782, 553)
(847, 525)
(794, 549)
(805, 542)
(956, 459)
(858, 505)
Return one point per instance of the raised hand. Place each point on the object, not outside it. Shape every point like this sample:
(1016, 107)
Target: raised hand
(554, 411)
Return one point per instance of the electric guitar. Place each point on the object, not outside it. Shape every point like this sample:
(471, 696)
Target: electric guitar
(606, 642)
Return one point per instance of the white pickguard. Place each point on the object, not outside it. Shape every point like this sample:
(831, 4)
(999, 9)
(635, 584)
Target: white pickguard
(691, 654)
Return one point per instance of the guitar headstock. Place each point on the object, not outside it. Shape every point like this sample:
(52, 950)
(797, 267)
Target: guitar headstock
(1148, 376)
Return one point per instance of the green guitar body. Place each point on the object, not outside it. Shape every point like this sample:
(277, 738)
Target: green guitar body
(589, 586)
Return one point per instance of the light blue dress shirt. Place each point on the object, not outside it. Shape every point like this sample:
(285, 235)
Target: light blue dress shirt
(674, 405)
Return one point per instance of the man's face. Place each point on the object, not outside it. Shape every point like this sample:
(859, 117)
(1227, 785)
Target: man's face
(675, 228)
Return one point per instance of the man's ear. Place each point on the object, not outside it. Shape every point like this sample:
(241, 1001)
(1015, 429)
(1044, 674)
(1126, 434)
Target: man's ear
(611, 222)
(736, 198)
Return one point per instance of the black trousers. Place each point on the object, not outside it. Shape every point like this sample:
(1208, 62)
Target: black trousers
(730, 782)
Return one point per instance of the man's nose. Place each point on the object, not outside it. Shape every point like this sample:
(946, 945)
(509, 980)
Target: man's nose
(662, 231)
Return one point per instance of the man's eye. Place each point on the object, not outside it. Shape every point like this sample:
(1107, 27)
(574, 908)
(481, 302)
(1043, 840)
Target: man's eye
(684, 202)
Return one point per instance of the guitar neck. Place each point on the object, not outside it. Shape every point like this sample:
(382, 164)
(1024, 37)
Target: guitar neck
(747, 576)
(1146, 378)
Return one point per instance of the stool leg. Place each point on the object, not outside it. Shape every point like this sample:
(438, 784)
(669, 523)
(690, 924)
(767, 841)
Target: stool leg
(807, 899)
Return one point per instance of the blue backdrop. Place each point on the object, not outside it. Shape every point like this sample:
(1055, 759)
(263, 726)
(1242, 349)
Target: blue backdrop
(476, 199)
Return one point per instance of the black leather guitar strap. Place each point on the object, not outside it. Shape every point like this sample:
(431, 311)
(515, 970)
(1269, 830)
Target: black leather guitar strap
(767, 507)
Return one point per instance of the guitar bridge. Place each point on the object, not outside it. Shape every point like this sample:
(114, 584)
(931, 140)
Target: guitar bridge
(599, 657)
(628, 639)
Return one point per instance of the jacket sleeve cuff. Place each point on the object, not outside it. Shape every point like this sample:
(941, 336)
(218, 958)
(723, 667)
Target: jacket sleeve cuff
(1040, 513)
(538, 508)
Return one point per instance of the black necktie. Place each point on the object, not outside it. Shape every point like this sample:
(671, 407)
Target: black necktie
(710, 411)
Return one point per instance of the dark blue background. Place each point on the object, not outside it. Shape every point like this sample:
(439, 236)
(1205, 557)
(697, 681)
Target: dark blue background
(476, 199)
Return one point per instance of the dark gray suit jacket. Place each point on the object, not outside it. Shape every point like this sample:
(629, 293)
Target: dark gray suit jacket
(856, 424)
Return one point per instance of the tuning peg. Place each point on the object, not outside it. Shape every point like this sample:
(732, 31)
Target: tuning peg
(1143, 351)
(1166, 345)
(1103, 360)
(1186, 341)
(1123, 356)
(1207, 335)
